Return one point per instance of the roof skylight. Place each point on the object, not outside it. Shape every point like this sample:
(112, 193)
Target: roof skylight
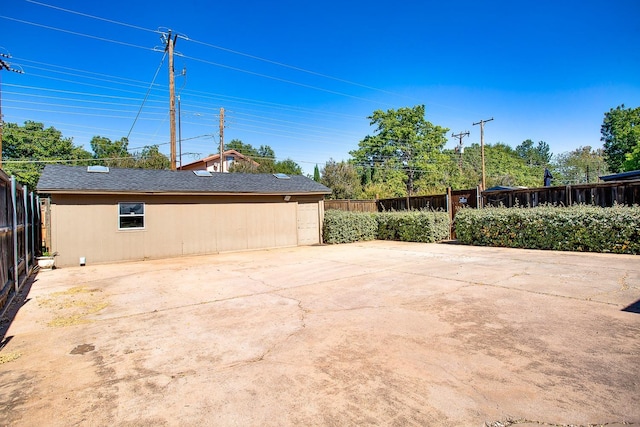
(202, 173)
(98, 169)
(281, 176)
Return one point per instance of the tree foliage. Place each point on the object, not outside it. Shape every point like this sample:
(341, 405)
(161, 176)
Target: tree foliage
(114, 154)
(538, 155)
(404, 141)
(264, 156)
(26, 149)
(582, 165)
(621, 136)
(151, 158)
(342, 178)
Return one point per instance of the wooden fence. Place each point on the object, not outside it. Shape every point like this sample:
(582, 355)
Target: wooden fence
(602, 194)
(19, 237)
(352, 205)
(449, 202)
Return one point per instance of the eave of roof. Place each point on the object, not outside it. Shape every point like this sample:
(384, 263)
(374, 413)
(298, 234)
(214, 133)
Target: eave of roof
(179, 193)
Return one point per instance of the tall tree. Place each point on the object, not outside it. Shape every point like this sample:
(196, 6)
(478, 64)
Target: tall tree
(316, 174)
(342, 178)
(538, 155)
(26, 149)
(621, 134)
(403, 140)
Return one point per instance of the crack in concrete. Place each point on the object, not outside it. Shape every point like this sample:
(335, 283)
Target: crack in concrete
(552, 295)
(624, 286)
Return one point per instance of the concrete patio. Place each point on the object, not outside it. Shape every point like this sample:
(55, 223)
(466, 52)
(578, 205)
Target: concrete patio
(375, 333)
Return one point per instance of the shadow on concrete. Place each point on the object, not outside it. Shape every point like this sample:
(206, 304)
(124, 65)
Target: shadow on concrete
(633, 308)
(20, 299)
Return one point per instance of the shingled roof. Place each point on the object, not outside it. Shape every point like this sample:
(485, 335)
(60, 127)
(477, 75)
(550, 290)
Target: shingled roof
(77, 179)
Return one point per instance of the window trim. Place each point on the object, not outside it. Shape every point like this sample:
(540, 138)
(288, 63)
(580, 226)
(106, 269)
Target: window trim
(143, 215)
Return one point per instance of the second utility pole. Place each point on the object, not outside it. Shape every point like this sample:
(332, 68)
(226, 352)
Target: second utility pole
(172, 99)
(221, 138)
(481, 123)
(460, 147)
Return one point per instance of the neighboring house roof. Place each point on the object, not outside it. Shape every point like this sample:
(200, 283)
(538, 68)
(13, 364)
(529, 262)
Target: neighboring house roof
(77, 179)
(624, 176)
(503, 188)
(215, 158)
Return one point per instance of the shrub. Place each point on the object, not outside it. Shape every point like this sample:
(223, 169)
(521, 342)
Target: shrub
(422, 226)
(346, 227)
(574, 228)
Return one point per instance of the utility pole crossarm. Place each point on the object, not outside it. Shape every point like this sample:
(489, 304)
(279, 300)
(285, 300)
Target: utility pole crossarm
(460, 147)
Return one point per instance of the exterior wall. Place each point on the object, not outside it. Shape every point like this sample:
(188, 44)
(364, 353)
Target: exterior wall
(87, 226)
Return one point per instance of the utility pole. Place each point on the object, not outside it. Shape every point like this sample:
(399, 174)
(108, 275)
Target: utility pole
(171, 41)
(221, 138)
(179, 132)
(4, 65)
(460, 147)
(481, 123)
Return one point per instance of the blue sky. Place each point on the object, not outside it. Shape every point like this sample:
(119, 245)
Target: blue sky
(302, 77)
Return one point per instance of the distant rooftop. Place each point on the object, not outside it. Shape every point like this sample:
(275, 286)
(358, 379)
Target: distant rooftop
(624, 176)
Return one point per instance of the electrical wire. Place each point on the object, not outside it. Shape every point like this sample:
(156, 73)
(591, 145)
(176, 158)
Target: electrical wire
(75, 33)
(90, 16)
(147, 94)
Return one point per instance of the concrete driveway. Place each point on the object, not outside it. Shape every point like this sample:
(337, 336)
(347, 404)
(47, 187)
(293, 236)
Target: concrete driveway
(376, 333)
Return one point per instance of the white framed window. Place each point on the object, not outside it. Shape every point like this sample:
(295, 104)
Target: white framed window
(130, 215)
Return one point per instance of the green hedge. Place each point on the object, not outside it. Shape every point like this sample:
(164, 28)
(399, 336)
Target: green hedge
(346, 227)
(574, 228)
(422, 226)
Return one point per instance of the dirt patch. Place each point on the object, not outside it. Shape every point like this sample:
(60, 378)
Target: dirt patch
(9, 357)
(73, 306)
(83, 348)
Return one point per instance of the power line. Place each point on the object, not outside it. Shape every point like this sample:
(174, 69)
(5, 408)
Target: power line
(224, 49)
(146, 95)
(75, 33)
(90, 16)
(266, 76)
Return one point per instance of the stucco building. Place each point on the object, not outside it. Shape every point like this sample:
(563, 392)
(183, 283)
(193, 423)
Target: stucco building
(101, 215)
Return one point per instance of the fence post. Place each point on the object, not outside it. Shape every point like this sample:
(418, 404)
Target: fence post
(450, 211)
(25, 199)
(15, 234)
(34, 215)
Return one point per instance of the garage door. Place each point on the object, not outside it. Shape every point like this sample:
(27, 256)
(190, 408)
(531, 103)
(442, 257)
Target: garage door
(308, 224)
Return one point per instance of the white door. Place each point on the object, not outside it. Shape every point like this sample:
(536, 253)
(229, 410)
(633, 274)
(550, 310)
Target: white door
(308, 224)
